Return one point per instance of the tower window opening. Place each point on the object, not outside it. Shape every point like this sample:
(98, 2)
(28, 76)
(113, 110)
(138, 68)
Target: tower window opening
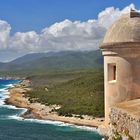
(112, 72)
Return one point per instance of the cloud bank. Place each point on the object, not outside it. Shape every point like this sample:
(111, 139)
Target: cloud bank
(65, 35)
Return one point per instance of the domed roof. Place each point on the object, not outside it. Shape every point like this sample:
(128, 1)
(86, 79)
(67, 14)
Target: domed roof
(126, 30)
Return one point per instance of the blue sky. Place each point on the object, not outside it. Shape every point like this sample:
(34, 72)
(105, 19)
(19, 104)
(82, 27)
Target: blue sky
(26, 15)
(32, 26)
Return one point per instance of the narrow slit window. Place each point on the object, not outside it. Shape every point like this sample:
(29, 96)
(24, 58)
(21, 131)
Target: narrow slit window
(112, 72)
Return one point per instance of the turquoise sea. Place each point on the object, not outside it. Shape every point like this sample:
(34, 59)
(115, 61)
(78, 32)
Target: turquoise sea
(13, 127)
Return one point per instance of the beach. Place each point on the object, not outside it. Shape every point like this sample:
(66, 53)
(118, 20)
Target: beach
(14, 127)
(43, 112)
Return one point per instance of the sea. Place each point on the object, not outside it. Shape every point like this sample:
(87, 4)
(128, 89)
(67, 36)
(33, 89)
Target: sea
(13, 127)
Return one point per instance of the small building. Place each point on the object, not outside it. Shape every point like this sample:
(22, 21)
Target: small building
(121, 51)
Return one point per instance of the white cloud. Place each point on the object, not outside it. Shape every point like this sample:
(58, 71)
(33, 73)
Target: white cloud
(68, 35)
(24, 42)
(4, 34)
(109, 15)
(65, 35)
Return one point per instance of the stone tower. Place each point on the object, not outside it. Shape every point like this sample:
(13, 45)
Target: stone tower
(121, 51)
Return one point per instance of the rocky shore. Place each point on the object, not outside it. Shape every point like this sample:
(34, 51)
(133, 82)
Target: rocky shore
(40, 111)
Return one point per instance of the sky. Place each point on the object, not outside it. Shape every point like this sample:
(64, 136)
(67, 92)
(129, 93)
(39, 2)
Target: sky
(31, 26)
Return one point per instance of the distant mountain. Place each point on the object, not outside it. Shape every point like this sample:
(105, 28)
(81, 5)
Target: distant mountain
(67, 60)
(1, 64)
(35, 56)
(28, 58)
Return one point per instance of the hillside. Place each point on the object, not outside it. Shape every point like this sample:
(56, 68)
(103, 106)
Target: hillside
(46, 62)
(78, 93)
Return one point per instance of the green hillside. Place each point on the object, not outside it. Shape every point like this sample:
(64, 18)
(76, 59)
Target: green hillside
(33, 64)
(78, 93)
(70, 77)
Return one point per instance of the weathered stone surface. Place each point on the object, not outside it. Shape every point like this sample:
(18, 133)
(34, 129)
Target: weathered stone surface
(125, 29)
(125, 119)
(121, 50)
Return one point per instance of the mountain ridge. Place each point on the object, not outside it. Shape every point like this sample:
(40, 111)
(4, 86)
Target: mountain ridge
(67, 60)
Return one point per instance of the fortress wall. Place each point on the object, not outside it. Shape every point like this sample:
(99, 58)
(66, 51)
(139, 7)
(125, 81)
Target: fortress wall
(121, 89)
(127, 84)
(125, 120)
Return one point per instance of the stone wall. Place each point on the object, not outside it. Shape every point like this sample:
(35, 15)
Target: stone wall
(123, 125)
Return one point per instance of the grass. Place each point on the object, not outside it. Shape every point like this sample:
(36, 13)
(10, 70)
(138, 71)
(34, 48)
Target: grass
(79, 93)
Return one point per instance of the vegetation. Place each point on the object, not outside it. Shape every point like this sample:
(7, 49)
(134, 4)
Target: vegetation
(33, 64)
(120, 135)
(77, 92)
(63, 78)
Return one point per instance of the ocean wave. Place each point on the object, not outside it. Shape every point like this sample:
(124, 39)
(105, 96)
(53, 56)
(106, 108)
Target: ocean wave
(9, 106)
(56, 123)
(1, 102)
(3, 89)
(15, 117)
(9, 85)
(5, 95)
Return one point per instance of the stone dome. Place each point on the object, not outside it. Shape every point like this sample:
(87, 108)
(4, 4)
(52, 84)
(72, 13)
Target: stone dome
(126, 30)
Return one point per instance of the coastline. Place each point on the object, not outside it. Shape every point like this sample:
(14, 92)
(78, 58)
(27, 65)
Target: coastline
(43, 112)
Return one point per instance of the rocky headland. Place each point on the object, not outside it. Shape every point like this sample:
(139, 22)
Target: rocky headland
(39, 111)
